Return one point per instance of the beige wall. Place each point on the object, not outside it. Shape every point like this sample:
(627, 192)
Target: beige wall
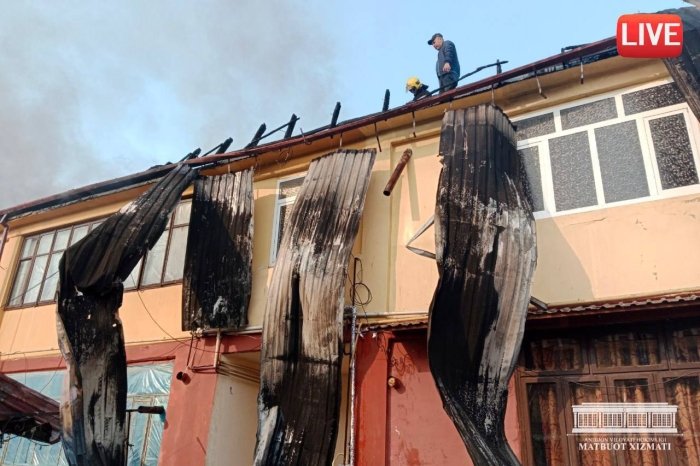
(641, 248)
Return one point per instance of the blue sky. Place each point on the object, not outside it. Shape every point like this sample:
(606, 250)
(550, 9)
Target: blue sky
(91, 91)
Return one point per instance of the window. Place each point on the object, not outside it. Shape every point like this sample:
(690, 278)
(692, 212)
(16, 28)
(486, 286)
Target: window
(287, 191)
(640, 143)
(36, 280)
(624, 364)
(148, 385)
(165, 262)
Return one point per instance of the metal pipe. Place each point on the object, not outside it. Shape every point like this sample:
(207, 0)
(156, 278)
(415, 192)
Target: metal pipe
(405, 157)
(351, 401)
(217, 354)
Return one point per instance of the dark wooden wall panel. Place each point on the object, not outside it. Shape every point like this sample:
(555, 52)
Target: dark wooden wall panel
(685, 69)
(218, 265)
(486, 254)
(302, 333)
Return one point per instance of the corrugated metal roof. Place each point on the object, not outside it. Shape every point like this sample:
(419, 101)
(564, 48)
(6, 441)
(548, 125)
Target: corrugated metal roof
(630, 303)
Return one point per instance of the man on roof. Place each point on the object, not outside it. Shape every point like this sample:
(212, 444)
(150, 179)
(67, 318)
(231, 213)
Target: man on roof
(447, 66)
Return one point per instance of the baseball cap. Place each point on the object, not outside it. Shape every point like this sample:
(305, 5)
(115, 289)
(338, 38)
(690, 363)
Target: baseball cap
(437, 34)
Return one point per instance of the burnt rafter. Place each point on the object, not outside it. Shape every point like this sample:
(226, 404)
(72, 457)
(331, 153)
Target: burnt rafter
(301, 354)
(90, 333)
(685, 69)
(218, 264)
(486, 254)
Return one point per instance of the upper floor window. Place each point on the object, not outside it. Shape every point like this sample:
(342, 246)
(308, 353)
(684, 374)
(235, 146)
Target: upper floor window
(165, 262)
(287, 191)
(36, 280)
(615, 148)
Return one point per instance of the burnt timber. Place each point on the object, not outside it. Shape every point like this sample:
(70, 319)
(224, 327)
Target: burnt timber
(486, 254)
(90, 333)
(218, 266)
(28, 413)
(299, 400)
(685, 69)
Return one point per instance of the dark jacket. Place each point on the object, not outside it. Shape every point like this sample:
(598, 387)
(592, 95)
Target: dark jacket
(420, 93)
(447, 53)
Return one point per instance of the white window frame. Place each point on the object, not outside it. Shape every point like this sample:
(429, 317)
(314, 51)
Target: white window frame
(647, 148)
(279, 203)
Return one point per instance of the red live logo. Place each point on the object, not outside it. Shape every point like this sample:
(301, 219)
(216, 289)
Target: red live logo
(649, 36)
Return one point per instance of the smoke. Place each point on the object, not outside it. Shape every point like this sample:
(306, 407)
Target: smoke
(92, 91)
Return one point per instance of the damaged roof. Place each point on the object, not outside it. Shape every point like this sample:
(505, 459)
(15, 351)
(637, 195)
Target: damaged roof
(586, 54)
(28, 413)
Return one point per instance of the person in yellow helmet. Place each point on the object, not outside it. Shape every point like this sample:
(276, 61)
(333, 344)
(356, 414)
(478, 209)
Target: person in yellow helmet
(418, 89)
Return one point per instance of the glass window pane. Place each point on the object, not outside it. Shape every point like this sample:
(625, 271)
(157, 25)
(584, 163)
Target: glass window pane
(35, 279)
(182, 213)
(153, 270)
(572, 172)
(284, 212)
(79, 233)
(684, 392)
(133, 279)
(673, 153)
(649, 99)
(45, 243)
(176, 254)
(17, 296)
(96, 224)
(554, 354)
(290, 188)
(545, 425)
(48, 292)
(627, 349)
(686, 345)
(621, 162)
(587, 114)
(531, 163)
(535, 126)
(29, 246)
(61, 242)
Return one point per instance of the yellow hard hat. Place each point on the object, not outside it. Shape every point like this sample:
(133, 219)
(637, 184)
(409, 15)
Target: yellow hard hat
(413, 83)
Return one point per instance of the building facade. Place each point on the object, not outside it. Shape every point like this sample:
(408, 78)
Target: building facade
(612, 153)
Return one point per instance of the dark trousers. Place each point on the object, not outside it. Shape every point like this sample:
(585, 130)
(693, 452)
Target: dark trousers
(447, 82)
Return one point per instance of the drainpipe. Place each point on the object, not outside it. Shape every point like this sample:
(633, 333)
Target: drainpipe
(5, 229)
(353, 347)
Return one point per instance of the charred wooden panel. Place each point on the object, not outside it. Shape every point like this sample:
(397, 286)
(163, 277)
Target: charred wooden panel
(27, 413)
(90, 332)
(218, 265)
(486, 253)
(302, 334)
(685, 69)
